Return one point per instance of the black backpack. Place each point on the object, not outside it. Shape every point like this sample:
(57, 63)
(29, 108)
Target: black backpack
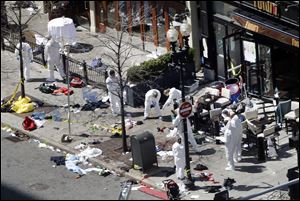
(47, 88)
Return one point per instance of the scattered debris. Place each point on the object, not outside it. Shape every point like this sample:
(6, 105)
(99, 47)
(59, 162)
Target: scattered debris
(200, 167)
(58, 160)
(66, 138)
(228, 183)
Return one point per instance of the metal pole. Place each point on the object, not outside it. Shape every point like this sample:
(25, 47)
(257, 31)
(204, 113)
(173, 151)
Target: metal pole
(189, 182)
(85, 75)
(68, 81)
(21, 56)
(66, 66)
(270, 189)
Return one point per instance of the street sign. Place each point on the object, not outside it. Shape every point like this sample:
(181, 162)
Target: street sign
(185, 109)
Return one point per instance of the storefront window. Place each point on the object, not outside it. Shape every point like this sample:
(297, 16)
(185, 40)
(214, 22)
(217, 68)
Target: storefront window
(264, 53)
(223, 8)
(249, 51)
(111, 14)
(220, 32)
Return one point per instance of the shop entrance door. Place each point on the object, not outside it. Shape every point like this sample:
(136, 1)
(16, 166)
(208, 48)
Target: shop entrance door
(257, 68)
(247, 58)
(233, 57)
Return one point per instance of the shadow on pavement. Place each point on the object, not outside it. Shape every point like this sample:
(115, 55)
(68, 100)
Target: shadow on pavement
(250, 168)
(248, 187)
(8, 193)
(209, 151)
(160, 171)
(137, 114)
(81, 48)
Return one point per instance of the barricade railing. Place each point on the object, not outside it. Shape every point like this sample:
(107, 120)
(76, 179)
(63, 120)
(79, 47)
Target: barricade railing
(93, 76)
(281, 186)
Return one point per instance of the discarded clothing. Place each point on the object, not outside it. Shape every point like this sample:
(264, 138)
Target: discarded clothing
(172, 133)
(90, 153)
(71, 164)
(228, 183)
(29, 124)
(59, 160)
(47, 88)
(76, 82)
(62, 90)
(94, 105)
(200, 167)
(66, 138)
(39, 123)
(96, 63)
(164, 154)
(38, 115)
(23, 105)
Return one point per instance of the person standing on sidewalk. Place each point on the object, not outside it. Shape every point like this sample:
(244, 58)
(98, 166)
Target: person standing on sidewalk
(114, 92)
(179, 158)
(27, 56)
(233, 137)
(152, 98)
(52, 57)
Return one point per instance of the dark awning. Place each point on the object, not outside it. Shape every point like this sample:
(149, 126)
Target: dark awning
(268, 28)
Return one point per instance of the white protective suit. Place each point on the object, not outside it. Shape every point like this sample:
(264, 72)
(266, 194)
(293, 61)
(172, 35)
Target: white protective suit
(178, 122)
(113, 93)
(52, 57)
(233, 137)
(173, 94)
(151, 101)
(27, 56)
(179, 159)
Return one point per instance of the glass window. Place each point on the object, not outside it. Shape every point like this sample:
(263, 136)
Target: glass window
(223, 8)
(219, 34)
(249, 51)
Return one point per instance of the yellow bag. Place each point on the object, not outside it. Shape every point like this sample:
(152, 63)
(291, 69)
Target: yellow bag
(116, 131)
(23, 105)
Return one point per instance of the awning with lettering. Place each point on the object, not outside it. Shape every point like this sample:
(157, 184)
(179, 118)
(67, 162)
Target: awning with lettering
(268, 28)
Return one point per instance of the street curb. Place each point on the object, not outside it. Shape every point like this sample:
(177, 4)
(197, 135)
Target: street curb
(101, 163)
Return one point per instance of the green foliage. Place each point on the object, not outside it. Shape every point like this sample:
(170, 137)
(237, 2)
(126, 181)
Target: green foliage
(153, 68)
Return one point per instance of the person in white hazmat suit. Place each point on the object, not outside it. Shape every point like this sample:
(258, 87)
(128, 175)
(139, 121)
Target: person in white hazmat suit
(113, 87)
(173, 95)
(179, 158)
(178, 122)
(233, 137)
(152, 98)
(52, 57)
(27, 56)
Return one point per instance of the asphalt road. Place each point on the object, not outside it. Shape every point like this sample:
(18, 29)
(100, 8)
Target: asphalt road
(27, 173)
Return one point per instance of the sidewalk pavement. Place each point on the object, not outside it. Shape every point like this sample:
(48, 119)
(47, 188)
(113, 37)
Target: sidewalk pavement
(250, 175)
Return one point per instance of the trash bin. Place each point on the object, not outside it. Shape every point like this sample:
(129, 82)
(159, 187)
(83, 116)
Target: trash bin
(293, 173)
(143, 150)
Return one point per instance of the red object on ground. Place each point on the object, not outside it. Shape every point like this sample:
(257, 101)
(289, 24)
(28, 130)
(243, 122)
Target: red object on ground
(63, 90)
(29, 124)
(154, 192)
(76, 82)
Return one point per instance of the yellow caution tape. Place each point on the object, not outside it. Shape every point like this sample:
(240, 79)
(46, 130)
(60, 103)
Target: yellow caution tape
(10, 101)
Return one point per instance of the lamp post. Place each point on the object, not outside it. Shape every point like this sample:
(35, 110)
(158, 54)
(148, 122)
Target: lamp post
(179, 59)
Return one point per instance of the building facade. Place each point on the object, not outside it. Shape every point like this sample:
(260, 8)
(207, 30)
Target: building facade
(147, 19)
(257, 41)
